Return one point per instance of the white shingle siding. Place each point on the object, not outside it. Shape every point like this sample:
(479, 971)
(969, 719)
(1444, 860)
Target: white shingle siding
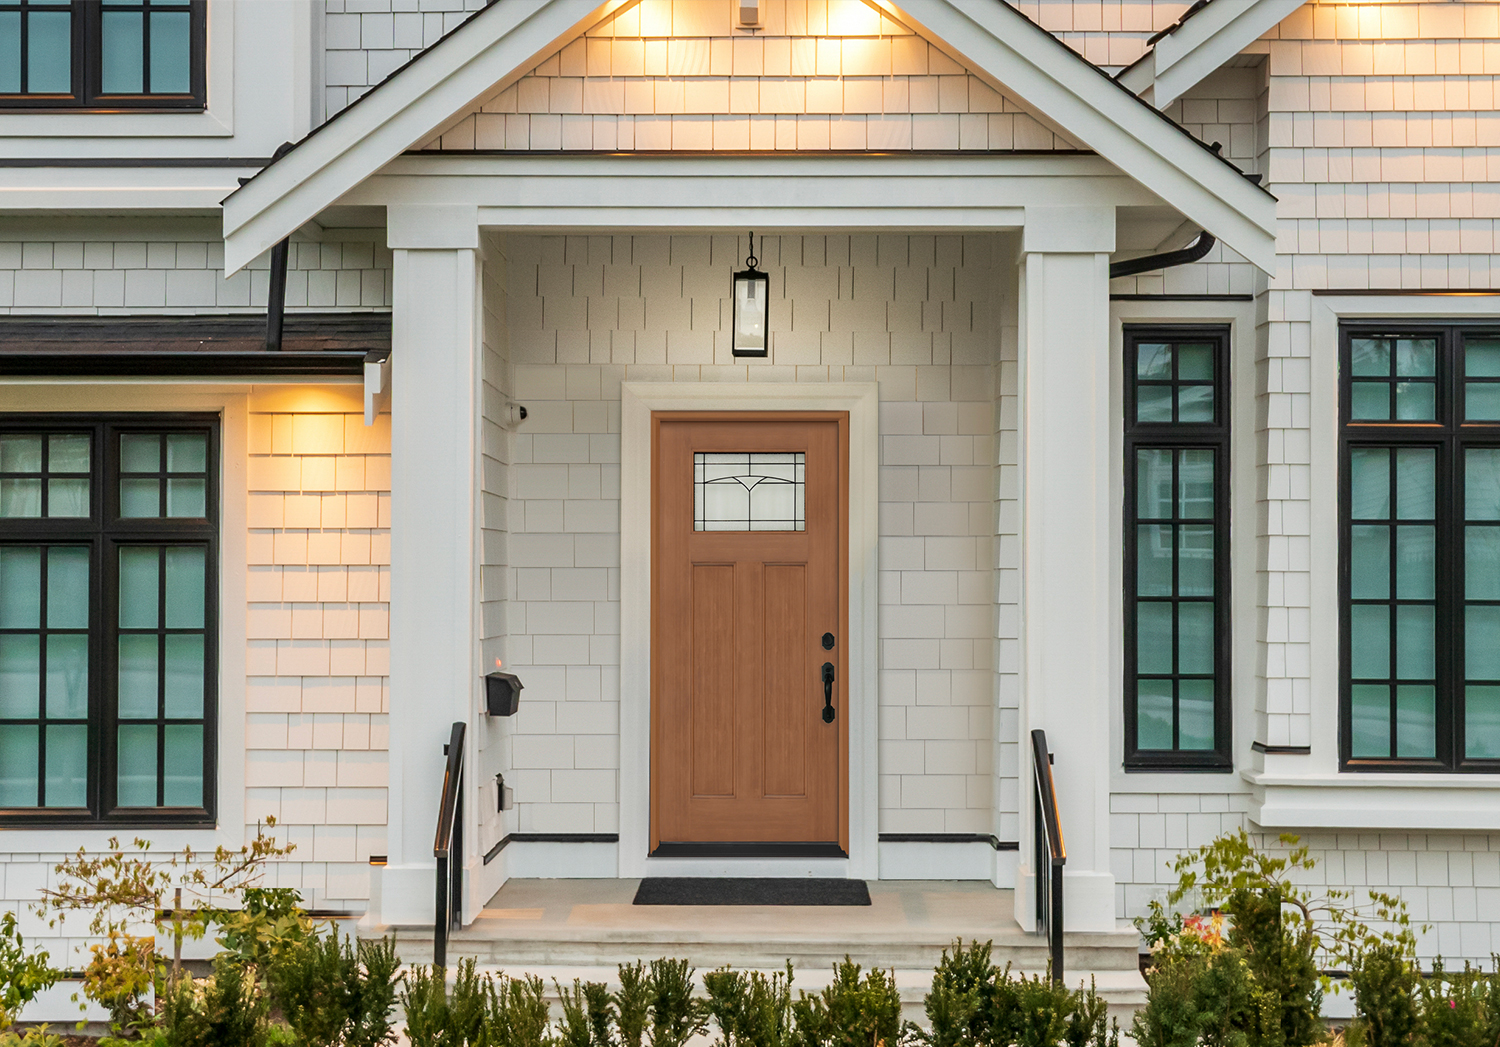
(367, 40)
(915, 313)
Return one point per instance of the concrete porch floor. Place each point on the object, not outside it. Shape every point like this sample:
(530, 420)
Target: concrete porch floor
(583, 928)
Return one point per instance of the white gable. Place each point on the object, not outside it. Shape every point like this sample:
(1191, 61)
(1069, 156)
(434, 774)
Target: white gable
(677, 75)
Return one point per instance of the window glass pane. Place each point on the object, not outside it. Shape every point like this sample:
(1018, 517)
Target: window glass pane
(1195, 714)
(1370, 357)
(1153, 403)
(1370, 721)
(10, 52)
(171, 53)
(20, 454)
(1482, 563)
(1369, 562)
(20, 676)
(1153, 482)
(20, 586)
(68, 676)
(1370, 483)
(1195, 403)
(67, 498)
(1195, 638)
(183, 772)
(67, 587)
(1482, 357)
(140, 497)
(138, 677)
(1416, 401)
(1370, 402)
(20, 498)
(1195, 362)
(1416, 482)
(1482, 484)
(67, 766)
(1415, 551)
(49, 52)
(1482, 401)
(189, 498)
(1153, 637)
(1196, 479)
(1481, 642)
(184, 677)
(122, 51)
(1416, 357)
(139, 583)
(1414, 642)
(187, 453)
(1153, 360)
(1416, 722)
(1195, 566)
(18, 765)
(1370, 641)
(140, 453)
(1482, 723)
(68, 453)
(1154, 560)
(1153, 714)
(185, 587)
(137, 766)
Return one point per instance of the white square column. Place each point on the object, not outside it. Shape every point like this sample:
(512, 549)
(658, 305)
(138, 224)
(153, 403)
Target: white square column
(1068, 547)
(434, 633)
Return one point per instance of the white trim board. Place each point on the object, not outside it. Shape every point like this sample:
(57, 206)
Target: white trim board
(1201, 45)
(637, 401)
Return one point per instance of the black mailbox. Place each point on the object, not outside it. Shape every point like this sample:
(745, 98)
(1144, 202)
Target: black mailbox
(502, 694)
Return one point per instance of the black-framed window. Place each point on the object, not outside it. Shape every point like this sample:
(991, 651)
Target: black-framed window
(108, 619)
(1419, 558)
(1177, 701)
(103, 54)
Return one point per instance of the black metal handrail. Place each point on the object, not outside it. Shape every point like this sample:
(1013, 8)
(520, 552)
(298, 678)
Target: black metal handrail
(1051, 854)
(448, 848)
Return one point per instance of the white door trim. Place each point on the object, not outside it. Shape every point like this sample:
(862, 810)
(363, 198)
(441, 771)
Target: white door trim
(637, 401)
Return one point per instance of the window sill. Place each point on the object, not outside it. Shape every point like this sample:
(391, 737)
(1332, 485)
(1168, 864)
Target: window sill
(1375, 801)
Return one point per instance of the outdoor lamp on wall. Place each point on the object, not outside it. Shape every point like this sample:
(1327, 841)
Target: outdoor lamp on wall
(752, 292)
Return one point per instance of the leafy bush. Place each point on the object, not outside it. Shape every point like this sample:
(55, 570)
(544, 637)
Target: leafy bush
(851, 1012)
(1385, 984)
(331, 992)
(751, 1010)
(22, 974)
(226, 1010)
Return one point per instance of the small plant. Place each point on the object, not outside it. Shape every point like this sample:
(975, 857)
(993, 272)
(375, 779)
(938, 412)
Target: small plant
(851, 1012)
(22, 974)
(516, 1014)
(676, 1016)
(1385, 984)
(632, 1004)
(434, 1018)
(225, 1010)
(751, 1010)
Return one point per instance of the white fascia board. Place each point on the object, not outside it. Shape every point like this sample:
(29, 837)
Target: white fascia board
(1184, 58)
(1437, 802)
(763, 192)
(999, 44)
(158, 189)
(497, 45)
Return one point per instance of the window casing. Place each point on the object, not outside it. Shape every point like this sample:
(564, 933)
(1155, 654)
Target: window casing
(103, 54)
(1419, 535)
(1176, 549)
(108, 619)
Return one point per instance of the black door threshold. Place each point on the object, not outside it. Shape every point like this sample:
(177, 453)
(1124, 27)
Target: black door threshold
(746, 849)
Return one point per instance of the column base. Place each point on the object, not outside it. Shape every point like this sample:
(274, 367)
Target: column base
(1088, 900)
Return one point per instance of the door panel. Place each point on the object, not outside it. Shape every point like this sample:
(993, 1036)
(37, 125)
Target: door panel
(739, 748)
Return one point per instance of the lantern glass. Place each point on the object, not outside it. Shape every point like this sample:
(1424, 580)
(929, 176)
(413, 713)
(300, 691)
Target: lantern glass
(751, 307)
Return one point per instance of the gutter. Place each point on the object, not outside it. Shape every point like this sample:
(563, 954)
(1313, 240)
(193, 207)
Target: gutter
(1145, 264)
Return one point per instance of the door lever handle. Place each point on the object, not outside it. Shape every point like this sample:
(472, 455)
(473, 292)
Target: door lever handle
(828, 713)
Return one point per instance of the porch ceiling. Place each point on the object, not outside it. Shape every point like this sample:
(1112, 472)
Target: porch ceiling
(993, 41)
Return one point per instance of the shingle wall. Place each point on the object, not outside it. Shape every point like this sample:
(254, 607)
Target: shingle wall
(113, 266)
(367, 40)
(676, 74)
(912, 312)
(1109, 33)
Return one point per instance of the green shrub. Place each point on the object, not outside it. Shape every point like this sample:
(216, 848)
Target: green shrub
(330, 991)
(1385, 982)
(851, 1012)
(22, 974)
(676, 1016)
(516, 1014)
(632, 1004)
(1279, 954)
(225, 1010)
(434, 1018)
(1455, 1009)
(751, 1010)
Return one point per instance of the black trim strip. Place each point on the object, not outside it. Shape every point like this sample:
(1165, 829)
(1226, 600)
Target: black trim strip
(989, 838)
(548, 838)
(747, 849)
(208, 364)
(755, 154)
(1182, 298)
(133, 161)
(1281, 750)
(1393, 292)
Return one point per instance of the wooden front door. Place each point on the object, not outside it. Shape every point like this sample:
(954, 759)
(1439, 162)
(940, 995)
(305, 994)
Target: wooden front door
(749, 572)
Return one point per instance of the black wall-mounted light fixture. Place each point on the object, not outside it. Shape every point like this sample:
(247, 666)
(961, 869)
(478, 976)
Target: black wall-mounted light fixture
(502, 694)
(752, 309)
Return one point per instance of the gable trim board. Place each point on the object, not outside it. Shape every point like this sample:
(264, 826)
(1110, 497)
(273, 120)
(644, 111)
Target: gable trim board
(999, 45)
(1199, 45)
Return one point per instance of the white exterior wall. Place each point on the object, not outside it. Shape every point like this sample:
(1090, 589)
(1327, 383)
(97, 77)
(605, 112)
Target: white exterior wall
(1109, 33)
(366, 41)
(912, 312)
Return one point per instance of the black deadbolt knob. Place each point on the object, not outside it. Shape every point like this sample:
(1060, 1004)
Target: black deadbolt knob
(828, 641)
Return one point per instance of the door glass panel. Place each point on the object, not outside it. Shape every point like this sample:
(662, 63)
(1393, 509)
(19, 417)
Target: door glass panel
(749, 491)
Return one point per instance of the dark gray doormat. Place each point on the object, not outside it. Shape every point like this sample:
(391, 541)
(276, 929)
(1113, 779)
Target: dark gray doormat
(744, 890)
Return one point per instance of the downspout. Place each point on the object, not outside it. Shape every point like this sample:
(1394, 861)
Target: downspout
(1131, 266)
(276, 293)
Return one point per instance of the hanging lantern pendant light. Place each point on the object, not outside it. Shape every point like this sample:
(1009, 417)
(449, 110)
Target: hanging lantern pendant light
(752, 292)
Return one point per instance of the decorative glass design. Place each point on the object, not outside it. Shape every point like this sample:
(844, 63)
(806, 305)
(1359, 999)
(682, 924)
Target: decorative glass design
(749, 491)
